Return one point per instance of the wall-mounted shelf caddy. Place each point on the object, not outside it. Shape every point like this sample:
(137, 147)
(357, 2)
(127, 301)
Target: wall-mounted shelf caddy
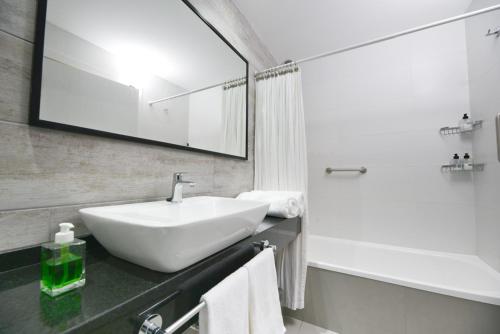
(448, 130)
(476, 167)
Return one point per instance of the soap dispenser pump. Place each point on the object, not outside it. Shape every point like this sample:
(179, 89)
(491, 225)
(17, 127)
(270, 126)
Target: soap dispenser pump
(62, 262)
(468, 162)
(466, 124)
(455, 161)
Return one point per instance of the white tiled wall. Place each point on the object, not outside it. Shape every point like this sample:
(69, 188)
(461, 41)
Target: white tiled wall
(484, 72)
(382, 107)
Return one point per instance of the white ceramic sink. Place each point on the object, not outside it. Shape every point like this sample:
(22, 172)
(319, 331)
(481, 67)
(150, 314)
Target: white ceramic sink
(166, 236)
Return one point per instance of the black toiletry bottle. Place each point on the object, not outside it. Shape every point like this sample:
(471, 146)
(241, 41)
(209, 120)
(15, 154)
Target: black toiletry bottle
(466, 124)
(468, 164)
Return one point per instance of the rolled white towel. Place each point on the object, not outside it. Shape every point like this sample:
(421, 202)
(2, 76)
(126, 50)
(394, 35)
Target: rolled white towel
(283, 204)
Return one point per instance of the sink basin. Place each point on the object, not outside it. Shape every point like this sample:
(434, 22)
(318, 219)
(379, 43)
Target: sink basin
(168, 237)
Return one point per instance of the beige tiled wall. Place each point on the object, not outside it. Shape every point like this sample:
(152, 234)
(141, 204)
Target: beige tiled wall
(47, 175)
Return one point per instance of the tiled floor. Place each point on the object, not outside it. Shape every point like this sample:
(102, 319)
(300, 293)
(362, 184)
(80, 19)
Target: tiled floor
(294, 326)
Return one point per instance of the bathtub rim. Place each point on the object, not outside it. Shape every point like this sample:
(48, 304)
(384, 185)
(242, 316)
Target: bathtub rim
(482, 296)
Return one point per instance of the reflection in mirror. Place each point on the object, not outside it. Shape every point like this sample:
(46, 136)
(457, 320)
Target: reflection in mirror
(147, 69)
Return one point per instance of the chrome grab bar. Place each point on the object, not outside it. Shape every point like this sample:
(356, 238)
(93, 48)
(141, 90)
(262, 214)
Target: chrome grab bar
(498, 134)
(362, 170)
(152, 324)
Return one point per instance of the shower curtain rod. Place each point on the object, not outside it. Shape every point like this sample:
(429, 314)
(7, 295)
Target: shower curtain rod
(234, 83)
(349, 48)
(185, 93)
(383, 39)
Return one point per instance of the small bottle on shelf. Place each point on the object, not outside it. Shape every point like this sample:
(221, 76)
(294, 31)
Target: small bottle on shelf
(466, 124)
(468, 164)
(455, 161)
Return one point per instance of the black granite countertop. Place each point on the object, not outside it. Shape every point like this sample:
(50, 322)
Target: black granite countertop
(114, 288)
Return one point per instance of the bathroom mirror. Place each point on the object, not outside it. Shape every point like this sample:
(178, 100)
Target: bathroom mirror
(152, 71)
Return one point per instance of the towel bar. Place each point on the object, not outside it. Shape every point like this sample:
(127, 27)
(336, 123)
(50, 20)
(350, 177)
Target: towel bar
(152, 324)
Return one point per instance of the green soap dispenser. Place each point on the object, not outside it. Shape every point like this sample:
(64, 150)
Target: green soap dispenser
(63, 262)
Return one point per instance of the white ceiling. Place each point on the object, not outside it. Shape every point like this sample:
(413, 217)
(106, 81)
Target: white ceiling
(294, 29)
(165, 36)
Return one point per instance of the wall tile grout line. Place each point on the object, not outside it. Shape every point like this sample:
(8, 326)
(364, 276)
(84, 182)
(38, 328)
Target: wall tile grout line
(14, 123)
(16, 36)
(105, 203)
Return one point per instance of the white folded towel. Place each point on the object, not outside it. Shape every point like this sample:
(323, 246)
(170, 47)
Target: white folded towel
(264, 307)
(283, 204)
(226, 310)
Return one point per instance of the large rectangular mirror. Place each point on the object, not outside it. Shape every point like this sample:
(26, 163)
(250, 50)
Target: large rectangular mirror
(145, 70)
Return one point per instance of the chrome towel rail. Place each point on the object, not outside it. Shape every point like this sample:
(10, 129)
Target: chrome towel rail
(185, 318)
(153, 323)
(362, 170)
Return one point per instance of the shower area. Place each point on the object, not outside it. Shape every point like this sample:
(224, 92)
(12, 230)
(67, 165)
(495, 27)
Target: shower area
(424, 232)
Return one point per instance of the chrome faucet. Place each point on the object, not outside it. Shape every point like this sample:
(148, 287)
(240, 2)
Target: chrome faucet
(177, 184)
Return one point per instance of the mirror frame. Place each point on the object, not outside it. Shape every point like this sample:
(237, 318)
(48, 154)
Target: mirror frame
(36, 90)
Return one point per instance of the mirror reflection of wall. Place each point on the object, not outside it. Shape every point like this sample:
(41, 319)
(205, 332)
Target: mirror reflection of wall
(105, 62)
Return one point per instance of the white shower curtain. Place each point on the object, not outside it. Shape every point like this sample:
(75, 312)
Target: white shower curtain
(233, 137)
(281, 164)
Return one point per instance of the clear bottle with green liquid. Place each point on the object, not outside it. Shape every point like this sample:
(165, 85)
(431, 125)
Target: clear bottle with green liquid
(63, 262)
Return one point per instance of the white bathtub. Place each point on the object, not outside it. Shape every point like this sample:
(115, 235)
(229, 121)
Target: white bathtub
(463, 276)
